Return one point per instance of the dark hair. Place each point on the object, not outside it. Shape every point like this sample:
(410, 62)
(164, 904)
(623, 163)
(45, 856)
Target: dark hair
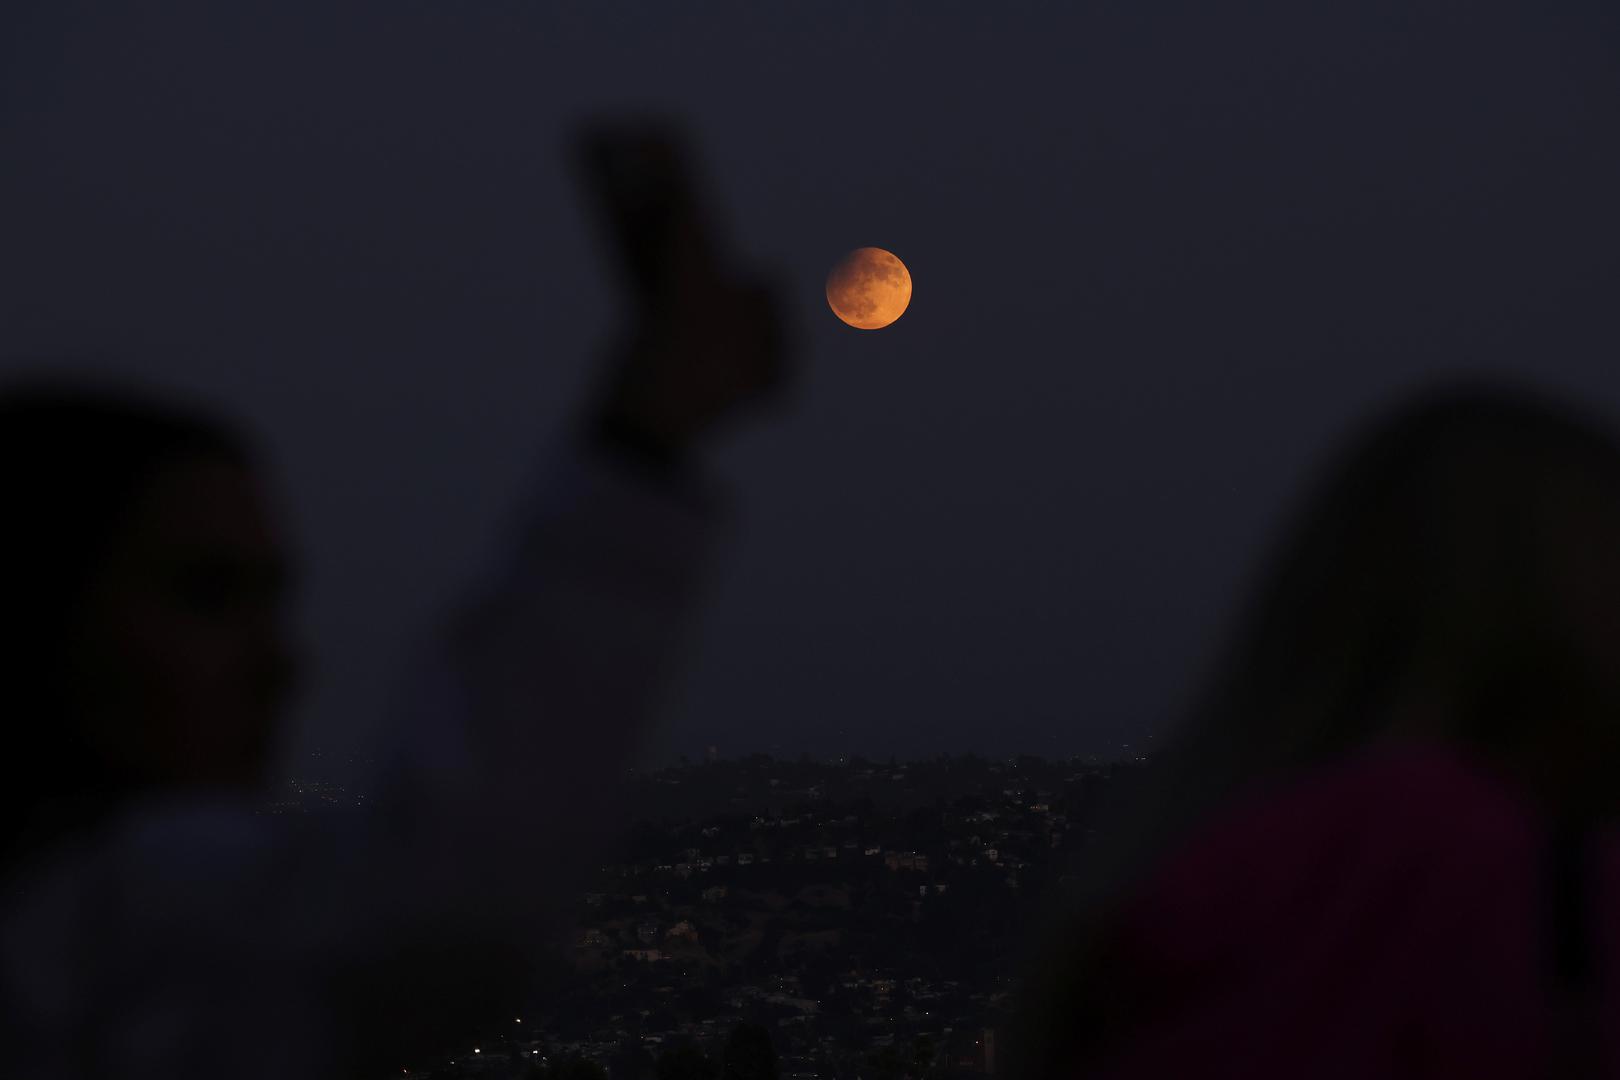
(73, 461)
(1424, 562)
(1421, 566)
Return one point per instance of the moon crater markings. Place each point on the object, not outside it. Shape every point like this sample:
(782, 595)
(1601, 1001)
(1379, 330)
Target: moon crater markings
(869, 288)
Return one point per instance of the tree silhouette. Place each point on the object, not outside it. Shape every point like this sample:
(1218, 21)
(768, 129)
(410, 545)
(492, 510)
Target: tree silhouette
(575, 1068)
(923, 1056)
(749, 1054)
(885, 1063)
(686, 1063)
(632, 1063)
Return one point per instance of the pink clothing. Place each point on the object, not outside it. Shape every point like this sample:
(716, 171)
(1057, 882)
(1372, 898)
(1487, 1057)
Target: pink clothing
(1385, 917)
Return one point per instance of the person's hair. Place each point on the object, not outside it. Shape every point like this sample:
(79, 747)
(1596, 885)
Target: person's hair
(1424, 564)
(1420, 572)
(74, 459)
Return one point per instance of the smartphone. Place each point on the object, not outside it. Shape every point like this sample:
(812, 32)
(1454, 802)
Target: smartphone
(639, 175)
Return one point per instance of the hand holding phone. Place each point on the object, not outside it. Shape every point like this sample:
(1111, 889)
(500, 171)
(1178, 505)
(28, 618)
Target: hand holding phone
(640, 179)
(703, 341)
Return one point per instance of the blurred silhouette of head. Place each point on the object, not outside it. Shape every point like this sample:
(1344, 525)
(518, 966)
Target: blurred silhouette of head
(1455, 574)
(140, 629)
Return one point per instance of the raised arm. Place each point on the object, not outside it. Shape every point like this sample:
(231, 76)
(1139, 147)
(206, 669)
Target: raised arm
(188, 936)
(526, 713)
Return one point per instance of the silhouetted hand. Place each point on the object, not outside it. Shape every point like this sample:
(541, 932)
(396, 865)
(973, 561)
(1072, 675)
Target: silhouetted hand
(707, 342)
(708, 352)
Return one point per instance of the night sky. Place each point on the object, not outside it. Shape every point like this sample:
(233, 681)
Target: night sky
(1164, 253)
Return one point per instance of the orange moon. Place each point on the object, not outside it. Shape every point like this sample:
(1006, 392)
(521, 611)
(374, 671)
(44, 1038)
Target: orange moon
(869, 288)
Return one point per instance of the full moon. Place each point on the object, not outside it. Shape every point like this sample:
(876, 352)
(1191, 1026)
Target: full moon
(869, 288)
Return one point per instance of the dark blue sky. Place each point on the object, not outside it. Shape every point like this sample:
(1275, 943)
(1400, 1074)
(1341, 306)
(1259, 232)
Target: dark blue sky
(1164, 252)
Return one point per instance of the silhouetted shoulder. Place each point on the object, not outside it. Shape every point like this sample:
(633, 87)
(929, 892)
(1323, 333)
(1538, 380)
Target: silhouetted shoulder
(1394, 891)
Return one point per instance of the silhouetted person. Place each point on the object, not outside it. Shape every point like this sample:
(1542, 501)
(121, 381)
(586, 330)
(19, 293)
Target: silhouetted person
(151, 923)
(1382, 845)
